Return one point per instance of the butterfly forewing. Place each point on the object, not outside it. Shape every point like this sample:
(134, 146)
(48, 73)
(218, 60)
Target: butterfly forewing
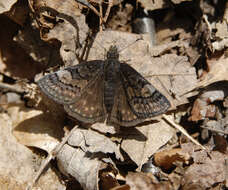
(67, 85)
(90, 107)
(145, 101)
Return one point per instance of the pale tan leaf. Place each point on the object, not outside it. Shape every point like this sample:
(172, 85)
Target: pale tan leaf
(218, 72)
(6, 5)
(93, 142)
(18, 163)
(82, 166)
(34, 128)
(144, 143)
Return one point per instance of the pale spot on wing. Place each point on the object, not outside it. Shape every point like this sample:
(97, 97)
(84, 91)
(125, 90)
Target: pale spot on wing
(86, 108)
(64, 76)
(123, 111)
(150, 88)
(92, 108)
(76, 110)
(84, 102)
(130, 92)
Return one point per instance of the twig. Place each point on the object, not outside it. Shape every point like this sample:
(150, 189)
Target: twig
(208, 25)
(110, 4)
(51, 156)
(13, 88)
(181, 129)
(170, 74)
(215, 130)
(101, 14)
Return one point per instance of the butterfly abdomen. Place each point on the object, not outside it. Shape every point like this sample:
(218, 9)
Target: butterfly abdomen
(110, 83)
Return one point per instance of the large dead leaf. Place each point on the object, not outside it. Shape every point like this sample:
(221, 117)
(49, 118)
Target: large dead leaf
(85, 156)
(61, 18)
(206, 171)
(142, 142)
(34, 128)
(18, 164)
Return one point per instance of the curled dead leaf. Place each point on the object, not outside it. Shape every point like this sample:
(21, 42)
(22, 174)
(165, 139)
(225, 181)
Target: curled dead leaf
(166, 158)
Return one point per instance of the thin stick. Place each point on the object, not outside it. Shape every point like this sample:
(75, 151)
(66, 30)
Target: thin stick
(110, 4)
(13, 88)
(181, 129)
(170, 74)
(51, 156)
(101, 14)
(215, 130)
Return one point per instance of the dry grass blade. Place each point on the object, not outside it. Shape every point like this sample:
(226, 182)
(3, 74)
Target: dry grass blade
(51, 156)
(181, 129)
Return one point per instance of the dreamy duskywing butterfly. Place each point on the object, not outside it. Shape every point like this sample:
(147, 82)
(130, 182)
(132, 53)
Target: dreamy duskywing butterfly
(97, 90)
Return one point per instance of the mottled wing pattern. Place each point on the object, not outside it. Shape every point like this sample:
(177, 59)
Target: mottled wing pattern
(67, 85)
(122, 113)
(90, 108)
(79, 88)
(137, 98)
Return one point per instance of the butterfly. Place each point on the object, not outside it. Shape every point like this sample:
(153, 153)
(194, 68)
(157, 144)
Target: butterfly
(104, 90)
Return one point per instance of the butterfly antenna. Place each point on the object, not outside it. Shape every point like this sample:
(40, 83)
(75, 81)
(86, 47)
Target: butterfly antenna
(130, 44)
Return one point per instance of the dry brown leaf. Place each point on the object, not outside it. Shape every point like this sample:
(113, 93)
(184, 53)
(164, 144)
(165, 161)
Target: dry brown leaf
(93, 142)
(206, 170)
(14, 60)
(103, 128)
(143, 142)
(84, 167)
(202, 107)
(139, 181)
(40, 52)
(166, 158)
(6, 5)
(18, 163)
(65, 18)
(34, 128)
(70, 42)
(221, 32)
(218, 72)
(163, 48)
(19, 12)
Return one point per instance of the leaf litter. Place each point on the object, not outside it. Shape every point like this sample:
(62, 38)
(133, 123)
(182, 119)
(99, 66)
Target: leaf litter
(187, 64)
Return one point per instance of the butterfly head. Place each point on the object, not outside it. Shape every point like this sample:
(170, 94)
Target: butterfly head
(113, 53)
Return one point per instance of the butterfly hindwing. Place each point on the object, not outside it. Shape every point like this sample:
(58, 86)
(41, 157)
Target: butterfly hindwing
(144, 99)
(67, 85)
(122, 113)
